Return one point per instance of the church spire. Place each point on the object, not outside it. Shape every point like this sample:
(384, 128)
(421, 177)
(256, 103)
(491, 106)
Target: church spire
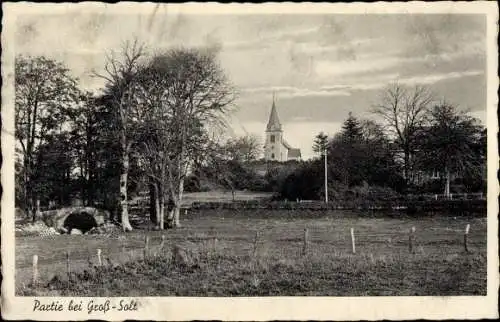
(274, 122)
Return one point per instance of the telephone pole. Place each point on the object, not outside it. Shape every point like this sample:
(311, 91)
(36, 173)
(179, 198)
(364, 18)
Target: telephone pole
(326, 177)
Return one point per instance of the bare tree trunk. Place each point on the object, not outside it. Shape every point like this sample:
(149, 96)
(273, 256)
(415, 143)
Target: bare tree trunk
(27, 207)
(447, 183)
(170, 217)
(153, 201)
(161, 209)
(162, 215)
(176, 216)
(406, 167)
(123, 191)
(177, 207)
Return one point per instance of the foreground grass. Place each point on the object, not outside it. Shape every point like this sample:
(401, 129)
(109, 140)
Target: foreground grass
(382, 264)
(215, 274)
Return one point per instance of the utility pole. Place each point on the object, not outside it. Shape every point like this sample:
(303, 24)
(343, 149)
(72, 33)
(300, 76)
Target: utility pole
(326, 177)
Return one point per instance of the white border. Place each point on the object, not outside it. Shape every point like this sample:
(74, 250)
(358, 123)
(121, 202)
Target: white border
(264, 308)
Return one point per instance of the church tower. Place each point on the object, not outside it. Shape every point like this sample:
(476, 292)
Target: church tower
(274, 149)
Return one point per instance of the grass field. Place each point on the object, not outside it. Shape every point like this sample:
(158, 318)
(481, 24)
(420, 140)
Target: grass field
(382, 264)
(221, 196)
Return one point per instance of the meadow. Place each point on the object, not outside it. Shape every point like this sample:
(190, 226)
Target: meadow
(228, 258)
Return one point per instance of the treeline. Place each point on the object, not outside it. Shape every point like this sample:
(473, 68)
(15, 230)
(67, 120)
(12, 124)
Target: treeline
(447, 155)
(157, 117)
(418, 145)
(157, 126)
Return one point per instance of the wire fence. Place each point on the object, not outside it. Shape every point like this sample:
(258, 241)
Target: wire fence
(80, 253)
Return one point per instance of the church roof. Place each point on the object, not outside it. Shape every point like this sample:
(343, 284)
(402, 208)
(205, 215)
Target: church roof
(294, 153)
(274, 122)
(285, 143)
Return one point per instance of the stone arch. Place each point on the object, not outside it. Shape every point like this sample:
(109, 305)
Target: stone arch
(82, 221)
(65, 218)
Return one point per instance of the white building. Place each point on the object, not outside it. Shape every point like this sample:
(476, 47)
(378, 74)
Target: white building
(276, 148)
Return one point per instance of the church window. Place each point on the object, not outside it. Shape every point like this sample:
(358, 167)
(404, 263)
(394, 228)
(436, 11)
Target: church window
(272, 155)
(273, 138)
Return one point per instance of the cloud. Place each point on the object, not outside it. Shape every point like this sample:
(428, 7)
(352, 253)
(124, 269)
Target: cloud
(320, 66)
(266, 38)
(301, 134)
(434, 36)
(383, 80)
(327, 69)
(431, 79)
(290, 92)
(306, 92)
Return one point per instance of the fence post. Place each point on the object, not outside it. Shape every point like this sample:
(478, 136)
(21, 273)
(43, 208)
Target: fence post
(353, 241)
(68, 266)
(99, 259)
(162, 242)
(466, 235)
(411, 239)
(146, 247)
(306, 241)
(215, 244)
(35, 270)
(255, 241)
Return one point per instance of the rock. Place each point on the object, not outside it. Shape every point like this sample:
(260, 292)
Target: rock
(49, 232)
(48, 217)
(93, 231)
(53, 231)
(180, 256)
(83, 218)
(75, 231)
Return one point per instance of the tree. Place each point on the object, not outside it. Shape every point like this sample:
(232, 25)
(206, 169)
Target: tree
(303, 182)
(227, 166)
(52, 178)
(245, 148)
(453, 143)
(361, 152)
(45, 92)
(381, 168)
(320, 143)
(120, 75)
(351, 130)
(85, 141)
(320, 146)
(183, 92)
(404, 113)
(347, 152)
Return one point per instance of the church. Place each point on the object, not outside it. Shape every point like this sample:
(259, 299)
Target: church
(276, 148)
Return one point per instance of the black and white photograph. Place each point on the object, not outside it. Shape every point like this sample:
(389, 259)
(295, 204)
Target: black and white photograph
(249, 161)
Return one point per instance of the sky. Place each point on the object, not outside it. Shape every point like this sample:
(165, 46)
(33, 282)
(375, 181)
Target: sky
(320, 66)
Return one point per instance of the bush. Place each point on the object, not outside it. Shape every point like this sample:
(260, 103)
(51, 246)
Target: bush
(192, 184)
(306, 183)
